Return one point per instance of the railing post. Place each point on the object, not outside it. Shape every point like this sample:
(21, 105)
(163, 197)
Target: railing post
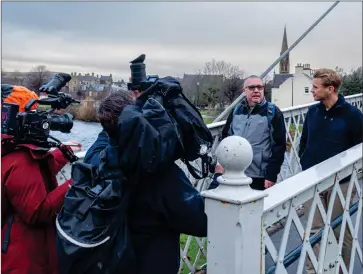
(234, 213)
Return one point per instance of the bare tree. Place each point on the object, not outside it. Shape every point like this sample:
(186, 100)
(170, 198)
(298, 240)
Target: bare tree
(340, 71)
(18, 77)
(211, 79)
(37, 77)
(216, 67)
(232, 78)
(233, 83)
(211, 96)
(267, 82)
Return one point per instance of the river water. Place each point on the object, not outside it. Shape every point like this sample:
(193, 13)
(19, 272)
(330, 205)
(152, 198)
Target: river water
(84, 132)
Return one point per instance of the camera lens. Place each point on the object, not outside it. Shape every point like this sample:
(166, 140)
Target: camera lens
(138, 73)
(61, 122)
(56, 83)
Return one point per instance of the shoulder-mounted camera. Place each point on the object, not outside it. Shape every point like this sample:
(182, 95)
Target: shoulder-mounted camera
(34, 126)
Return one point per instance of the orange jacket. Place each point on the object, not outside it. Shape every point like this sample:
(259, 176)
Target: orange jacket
(18, 95)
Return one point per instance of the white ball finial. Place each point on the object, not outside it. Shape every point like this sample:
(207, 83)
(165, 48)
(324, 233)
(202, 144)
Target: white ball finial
(235, 154)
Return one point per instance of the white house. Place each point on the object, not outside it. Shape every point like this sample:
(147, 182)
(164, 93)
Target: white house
(293, 89)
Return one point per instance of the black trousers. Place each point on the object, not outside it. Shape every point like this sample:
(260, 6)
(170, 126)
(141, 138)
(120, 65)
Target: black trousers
(258, 183)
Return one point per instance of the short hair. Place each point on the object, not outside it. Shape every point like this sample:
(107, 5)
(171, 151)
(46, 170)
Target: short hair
(110, 109)
(251, 77)
(328, 77)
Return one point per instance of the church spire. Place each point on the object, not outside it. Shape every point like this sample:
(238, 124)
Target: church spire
(284, 46)
(285, 62)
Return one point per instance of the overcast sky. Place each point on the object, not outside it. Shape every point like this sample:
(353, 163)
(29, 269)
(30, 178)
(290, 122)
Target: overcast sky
(177, 38)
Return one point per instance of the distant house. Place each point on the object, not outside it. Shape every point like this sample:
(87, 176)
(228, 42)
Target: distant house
(80, 80)
(121, 84)
(107, 80)
(293, 89)
(93, 89)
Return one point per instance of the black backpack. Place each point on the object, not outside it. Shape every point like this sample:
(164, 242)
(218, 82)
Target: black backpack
(92, 227)
(195, 138)
(92, 231)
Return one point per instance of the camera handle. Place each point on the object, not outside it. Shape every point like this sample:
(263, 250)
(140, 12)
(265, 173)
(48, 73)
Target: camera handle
(66, 150)
(54, 101)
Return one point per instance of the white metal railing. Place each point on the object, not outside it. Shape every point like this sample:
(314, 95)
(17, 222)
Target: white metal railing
(294, 117)
(238, 217)
(322, 179)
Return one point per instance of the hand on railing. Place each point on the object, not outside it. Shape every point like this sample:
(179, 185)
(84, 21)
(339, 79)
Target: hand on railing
(268, 183)
(219, 168)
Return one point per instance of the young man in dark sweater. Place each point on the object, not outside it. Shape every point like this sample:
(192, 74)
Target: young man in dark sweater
(331, 127)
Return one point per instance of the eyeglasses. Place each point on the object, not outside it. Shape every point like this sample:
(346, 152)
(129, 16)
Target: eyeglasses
(252, 88)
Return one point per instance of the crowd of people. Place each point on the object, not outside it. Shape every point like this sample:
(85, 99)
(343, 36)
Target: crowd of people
(165, 204)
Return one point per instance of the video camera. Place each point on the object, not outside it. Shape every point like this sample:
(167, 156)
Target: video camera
(34, 126)
(195, 138)
(139, 80)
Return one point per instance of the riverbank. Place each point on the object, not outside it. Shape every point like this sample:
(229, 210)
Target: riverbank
(83, 112)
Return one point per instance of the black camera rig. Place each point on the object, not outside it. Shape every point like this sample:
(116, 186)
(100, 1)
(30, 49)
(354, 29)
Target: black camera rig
(34, 126)
(139, 80)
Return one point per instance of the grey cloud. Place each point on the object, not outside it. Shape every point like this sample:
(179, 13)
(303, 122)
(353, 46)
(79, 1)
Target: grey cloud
(115, 57)
(177, 37)
(172, 23)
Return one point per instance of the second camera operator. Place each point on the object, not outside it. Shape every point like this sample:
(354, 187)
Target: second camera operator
(164, 203)
(31, 197)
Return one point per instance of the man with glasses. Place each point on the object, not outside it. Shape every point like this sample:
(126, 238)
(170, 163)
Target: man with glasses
(262, 124)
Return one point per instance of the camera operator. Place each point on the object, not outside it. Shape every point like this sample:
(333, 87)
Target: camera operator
(163, 206)
(31, 197)
(146, 131)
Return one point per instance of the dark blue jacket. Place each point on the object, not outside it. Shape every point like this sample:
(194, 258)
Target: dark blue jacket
(327, 133)
(163, 206)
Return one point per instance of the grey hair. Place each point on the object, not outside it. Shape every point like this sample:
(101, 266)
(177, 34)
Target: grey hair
(250, 77)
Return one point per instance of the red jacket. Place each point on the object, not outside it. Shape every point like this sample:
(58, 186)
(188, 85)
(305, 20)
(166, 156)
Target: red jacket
(34, 198)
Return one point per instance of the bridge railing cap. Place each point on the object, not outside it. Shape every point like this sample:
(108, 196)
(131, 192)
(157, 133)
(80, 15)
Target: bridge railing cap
(235, 154)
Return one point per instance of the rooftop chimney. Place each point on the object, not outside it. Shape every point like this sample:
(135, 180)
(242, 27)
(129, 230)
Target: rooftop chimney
(298, 68)
(306, 66)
